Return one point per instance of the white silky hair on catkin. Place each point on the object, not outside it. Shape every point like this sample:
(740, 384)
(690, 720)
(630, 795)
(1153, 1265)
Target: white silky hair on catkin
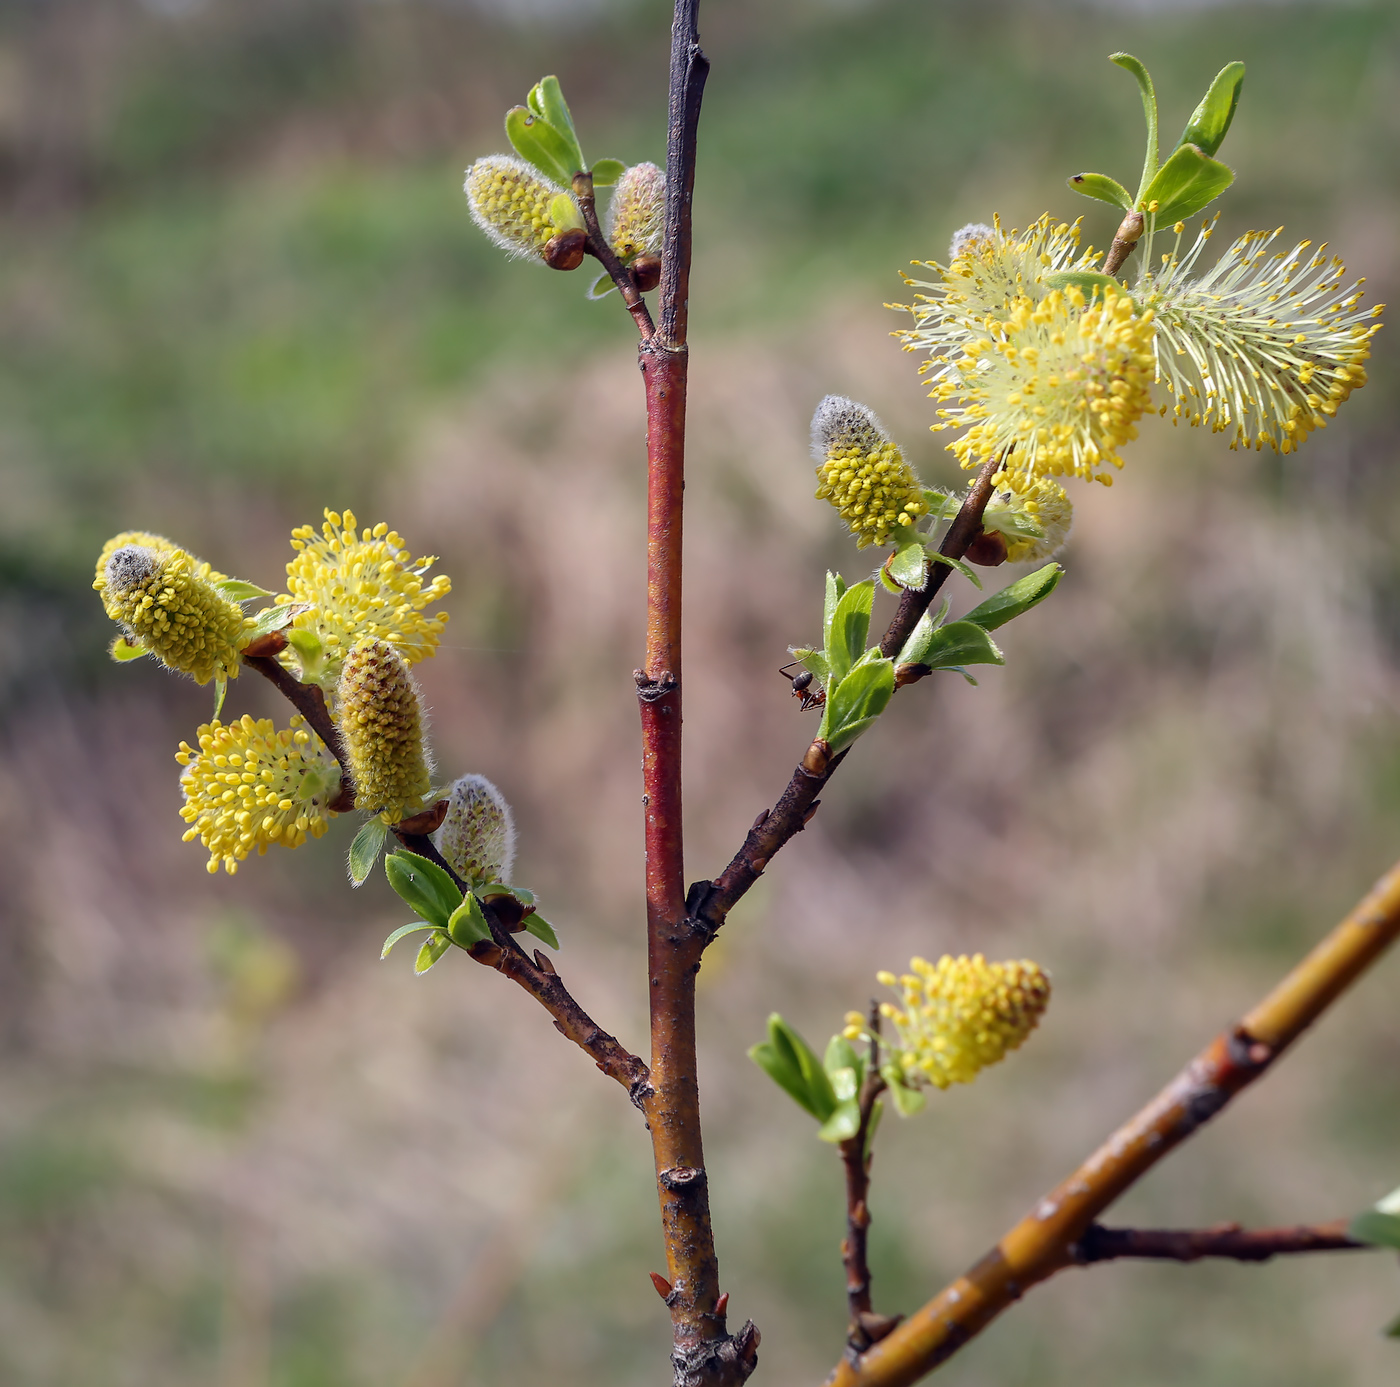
(839, 421)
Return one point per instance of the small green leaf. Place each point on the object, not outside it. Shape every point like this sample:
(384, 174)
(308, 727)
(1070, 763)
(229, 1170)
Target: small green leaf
(961, 643)
(909, 567)
(1016, 598)
(854, 704)
(942, 505)
(961, 567)
(1101, 186)
(788, 1060)
(364, 851)
(913, 650)
(220, 690)
(888, 583)
(1185, 184)
(850, 624)
(1377, 1228)
(907, 1099)
(1149, 111)
(843, 1123)
(841, 1054)
(1089, 281)
(236, 590)
(402, 932)
(121, 650)
(436, 944)
(811, 660)
(467, 923)
(423, 885)
(547, 100)
(564, 213)
(541, 145)
(595, 292)
(537, 925)
(835, 590)
(1392, 1330)
(1210, 121)
(271, 619)
(606, 172)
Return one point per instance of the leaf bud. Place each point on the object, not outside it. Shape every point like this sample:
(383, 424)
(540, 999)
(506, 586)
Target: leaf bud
(646, 270)
(565, 251)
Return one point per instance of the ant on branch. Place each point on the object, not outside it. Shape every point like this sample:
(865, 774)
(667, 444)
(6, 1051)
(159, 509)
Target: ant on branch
(802, 686)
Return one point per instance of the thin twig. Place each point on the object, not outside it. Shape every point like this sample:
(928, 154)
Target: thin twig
(310, 702)
(856, 1156)
(1100, 1244)
(1044, 1242)
(599, 248)
(796, 805)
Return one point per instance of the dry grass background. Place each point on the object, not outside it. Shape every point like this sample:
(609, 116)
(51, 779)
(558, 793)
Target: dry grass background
(237, 1149)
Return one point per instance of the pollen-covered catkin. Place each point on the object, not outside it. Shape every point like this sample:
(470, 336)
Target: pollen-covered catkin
(382, 725)
(477, 837)
(510, 202)
(862, 472)
(166, 603)
(637, 212)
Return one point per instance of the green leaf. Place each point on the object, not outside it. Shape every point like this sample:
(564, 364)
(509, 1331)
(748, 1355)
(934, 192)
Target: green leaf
(1210, 121)
(400, 933)
(564, 213)
(909, 567)
(595, 293)
(541, 145)
(961, 643)
(855, 703)
(962, 568)
(547, 100)
(1377, 1228)
(1101, 186)
(835, 590)
(850, 624)
(888, 583)
(271, 619)
(236, 590)
(788, 1060)
(841, 1054)
(913, 650)
(843, 1123)
(423, 885)
(364, 851)
(606, 172)
(942, 504)
(121, 650)
(537, 925)
(467, 923)
(812, 660)
(220, 690)
(907, 1099)
(1090, 281)
(1185, 184)
(1149, 111)
(1016, 598)
(1392, 1330)
(433, 949)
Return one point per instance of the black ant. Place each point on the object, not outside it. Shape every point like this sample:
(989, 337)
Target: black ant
(802, 686)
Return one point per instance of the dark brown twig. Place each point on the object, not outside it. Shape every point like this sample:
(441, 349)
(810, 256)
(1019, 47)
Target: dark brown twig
(794, 807)
(310, 702)
(1100, 1244)
(599, 248)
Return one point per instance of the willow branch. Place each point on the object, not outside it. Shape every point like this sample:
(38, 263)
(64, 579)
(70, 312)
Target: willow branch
(798, 802)
(1044, 1242)
(599, 248)
(1100, 1244)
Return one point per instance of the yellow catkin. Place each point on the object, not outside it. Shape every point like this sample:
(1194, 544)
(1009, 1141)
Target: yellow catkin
(348, 585)
(960, 1015)
(248, 785)
(510, 202)
(382, 726)
(1041, 501)
(477, 837)
(166, 603)
(637, 211)
(862, 472)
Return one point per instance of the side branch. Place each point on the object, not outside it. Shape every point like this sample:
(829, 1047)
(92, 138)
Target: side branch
(310, 702)
(1044, 1242)
(795, 807)
(1100, 1244)
(599, 248)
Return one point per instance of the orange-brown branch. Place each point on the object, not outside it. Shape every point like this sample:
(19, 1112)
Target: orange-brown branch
(1044, 1241)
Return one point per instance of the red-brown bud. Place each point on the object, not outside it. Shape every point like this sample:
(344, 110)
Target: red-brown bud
(987, 550)
(646, 270)
(565, 251)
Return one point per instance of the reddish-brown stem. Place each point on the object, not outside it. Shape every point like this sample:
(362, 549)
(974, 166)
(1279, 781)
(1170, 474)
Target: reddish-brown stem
(1044, 1242)
(599, 248)
(310, 702)
(714, 900)
(865, 1326)
(1100, 1244)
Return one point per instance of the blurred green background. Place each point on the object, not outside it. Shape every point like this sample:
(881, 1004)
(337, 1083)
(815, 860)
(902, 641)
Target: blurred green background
(238, 284)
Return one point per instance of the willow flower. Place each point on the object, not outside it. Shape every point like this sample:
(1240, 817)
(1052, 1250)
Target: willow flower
(510, 202)
(350, 584)
(1055, 388)
(477, 836)
(862, 472)
(960, 1015)
(1036, 504)
(636, 212)
(1261, 346)
(166, 602)
(382, 724)
(248, 785)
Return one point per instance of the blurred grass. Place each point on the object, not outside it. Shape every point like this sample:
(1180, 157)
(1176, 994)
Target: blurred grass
(237, 283)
